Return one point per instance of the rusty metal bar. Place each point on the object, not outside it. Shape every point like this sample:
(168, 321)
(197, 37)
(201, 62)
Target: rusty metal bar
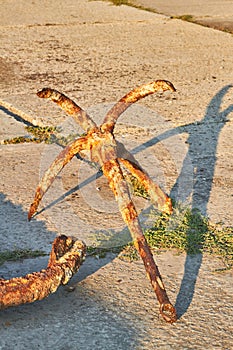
(65, 259)
(132, 97)
(120, 189)
(157, 195)
(69, 106)
(58, 164)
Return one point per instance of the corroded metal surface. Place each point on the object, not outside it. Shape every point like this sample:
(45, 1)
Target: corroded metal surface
(58, 164)
(80, 116)
(65, 259)
(132, 97)
(102, 145)
(157, 196)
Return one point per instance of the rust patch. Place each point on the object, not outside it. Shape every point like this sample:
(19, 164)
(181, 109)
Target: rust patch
(129, 212)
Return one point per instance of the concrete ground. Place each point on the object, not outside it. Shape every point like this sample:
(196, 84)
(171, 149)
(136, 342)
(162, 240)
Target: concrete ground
(214, 14)
(96, 52)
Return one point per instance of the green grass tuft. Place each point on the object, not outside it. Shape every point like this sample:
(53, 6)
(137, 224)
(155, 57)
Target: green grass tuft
(19, 254)
(187, 18)
(131, 4)
(48, 135)
(189, 231)
(120, 2)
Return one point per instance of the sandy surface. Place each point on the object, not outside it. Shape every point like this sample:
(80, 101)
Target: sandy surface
(95, 52)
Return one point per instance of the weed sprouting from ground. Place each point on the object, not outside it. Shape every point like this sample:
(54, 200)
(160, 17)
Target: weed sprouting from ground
(131, 4)
(48, 135)
(189, 231)
(186, 230)
(120, 2)
(187, 18)
(19, 254)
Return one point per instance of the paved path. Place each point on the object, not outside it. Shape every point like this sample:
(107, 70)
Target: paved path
(215, 14)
